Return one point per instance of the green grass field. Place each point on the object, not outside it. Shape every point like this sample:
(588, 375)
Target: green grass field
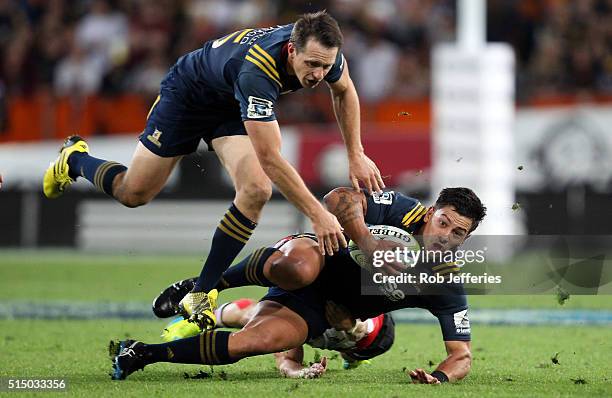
(508, 360)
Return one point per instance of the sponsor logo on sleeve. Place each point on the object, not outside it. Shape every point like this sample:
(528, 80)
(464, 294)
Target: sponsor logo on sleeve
(462, 322)
(385, 198)
(259, 108)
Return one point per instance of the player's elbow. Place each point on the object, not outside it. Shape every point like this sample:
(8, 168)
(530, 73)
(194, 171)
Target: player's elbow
(134, 199)
(330, 198)
(333, 196)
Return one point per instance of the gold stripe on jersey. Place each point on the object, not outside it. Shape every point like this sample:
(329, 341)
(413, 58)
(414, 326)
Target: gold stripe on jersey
(412, 218)
(265, 62)
(153, 106)
(241, 35)
(416, 220)
(440, 266)
(265, 54)
(263, 68)
(410, 213)
(220, 42)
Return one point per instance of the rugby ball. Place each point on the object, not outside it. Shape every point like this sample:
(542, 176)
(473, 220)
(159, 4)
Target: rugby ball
(389, 233)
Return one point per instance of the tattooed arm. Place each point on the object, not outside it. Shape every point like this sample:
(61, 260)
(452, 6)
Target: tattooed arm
(349, 205)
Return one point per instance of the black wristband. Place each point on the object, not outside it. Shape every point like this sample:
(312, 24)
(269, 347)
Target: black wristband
(441, 376)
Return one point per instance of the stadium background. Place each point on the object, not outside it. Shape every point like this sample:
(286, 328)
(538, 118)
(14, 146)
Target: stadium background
(94, 67)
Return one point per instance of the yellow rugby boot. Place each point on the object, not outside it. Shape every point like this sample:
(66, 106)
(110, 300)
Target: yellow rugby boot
(199, 307)
(56, 178)
(180, 328)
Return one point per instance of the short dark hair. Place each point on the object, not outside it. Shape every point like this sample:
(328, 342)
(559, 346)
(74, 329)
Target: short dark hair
(318, 25)
(465, 202)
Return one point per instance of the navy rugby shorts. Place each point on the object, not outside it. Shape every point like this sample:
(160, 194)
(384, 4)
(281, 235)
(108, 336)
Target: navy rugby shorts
(175, 124)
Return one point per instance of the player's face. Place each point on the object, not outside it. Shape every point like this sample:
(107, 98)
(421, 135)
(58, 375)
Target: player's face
(312, 63)
(445, 229)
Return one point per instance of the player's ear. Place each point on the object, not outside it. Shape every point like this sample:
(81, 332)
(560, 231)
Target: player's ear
(429, 214)
(290, 48)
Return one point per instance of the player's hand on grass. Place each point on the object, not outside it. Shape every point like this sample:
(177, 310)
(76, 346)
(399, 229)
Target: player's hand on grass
(419, 376)
(315, 370)
(362, 168)
(329, 232)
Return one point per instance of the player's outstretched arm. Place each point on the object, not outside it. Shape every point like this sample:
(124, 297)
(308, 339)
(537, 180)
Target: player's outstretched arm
(455, 367)
(266, 140)
(289, 363)
(349, 205)
(346, 109)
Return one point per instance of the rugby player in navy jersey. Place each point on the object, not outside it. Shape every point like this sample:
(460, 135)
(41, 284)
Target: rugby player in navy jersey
(302, 282)
(224, 93)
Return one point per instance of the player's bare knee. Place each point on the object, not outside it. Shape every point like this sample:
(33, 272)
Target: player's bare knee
(133, 199)
(256, 193)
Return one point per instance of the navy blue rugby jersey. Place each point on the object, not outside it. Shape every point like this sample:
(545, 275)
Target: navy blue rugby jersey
(245, 69)
(395, 209)
(340, 280)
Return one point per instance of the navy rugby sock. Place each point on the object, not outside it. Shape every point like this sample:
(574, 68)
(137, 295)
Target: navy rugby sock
(231, 235)
(209, 348)
(99, 172)
(248, 272)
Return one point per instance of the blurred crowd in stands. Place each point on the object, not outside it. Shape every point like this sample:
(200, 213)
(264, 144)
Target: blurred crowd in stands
(78, 48)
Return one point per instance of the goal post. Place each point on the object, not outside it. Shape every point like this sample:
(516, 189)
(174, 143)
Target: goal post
(473, 118)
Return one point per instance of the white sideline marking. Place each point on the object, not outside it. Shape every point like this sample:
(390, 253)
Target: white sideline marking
(17, 309)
